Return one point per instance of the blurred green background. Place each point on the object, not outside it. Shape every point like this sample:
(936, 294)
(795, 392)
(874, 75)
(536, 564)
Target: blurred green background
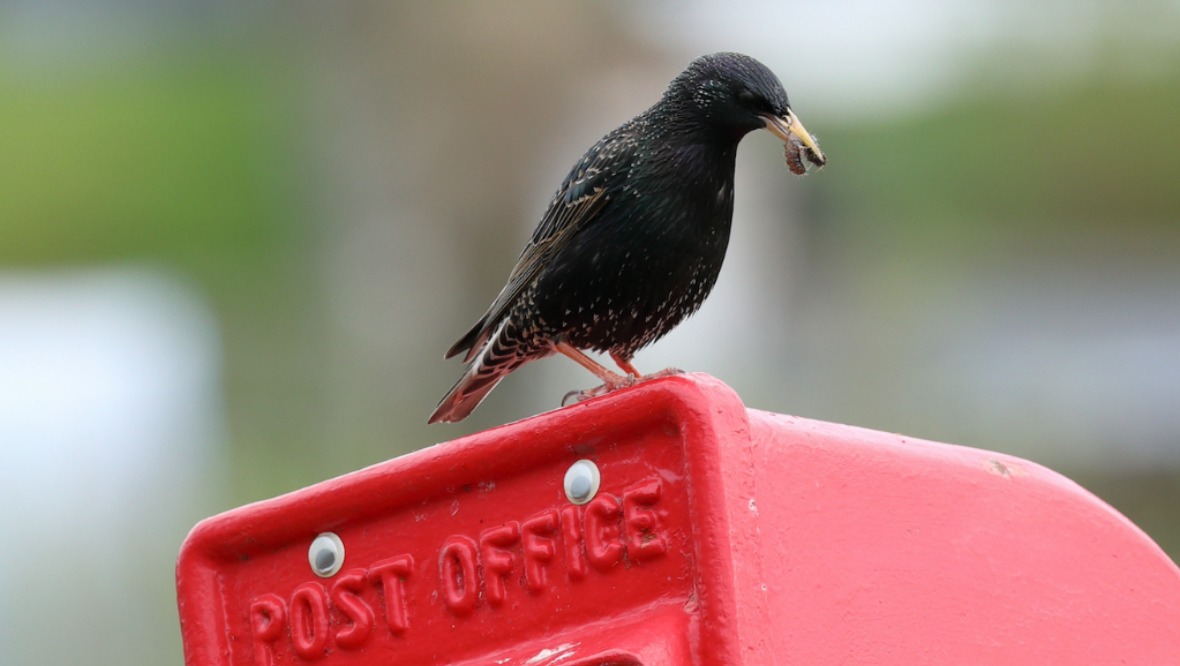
(236, 238)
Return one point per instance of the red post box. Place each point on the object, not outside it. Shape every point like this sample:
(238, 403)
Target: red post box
(668, 524)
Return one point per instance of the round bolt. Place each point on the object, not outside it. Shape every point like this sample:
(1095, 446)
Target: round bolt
(326, 555)
(581, 481)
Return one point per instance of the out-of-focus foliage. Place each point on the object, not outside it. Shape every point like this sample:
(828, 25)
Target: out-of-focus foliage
(1069, 161)
(178, 156)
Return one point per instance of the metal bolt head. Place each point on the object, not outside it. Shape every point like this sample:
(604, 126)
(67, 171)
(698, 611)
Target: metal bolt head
(581, 481)
(326, 555)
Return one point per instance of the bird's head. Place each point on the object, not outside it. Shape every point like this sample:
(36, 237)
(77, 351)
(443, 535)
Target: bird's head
(735, 93)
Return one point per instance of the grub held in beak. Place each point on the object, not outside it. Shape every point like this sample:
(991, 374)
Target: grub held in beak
(787, 127)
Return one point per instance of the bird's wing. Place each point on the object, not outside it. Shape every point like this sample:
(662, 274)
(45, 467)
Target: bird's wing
(580, 199)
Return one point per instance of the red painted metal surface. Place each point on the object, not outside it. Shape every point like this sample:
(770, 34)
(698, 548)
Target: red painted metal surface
(720, 535)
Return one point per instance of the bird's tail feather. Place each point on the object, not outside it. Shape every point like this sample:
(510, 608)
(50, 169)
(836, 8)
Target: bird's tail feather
(469, 342)
(502, 354)
(467, 393)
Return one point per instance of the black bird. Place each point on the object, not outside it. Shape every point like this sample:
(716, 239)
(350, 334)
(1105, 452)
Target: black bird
(633, 241)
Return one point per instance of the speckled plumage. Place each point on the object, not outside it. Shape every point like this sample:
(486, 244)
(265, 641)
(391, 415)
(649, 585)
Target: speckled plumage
(634, 239)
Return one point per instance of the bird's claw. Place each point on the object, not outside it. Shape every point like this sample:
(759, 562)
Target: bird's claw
(666, 372)
(575, 396)
(615, 383)
(622, 381)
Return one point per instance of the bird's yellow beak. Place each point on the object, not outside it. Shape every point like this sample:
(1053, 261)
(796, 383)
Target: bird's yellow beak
(785, 126)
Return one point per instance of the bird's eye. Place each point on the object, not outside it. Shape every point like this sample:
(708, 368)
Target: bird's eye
(747, 98)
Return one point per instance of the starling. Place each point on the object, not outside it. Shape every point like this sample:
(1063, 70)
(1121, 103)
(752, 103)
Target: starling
(633, 241)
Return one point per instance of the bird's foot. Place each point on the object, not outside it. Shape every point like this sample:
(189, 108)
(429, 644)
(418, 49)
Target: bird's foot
(575, 396)
(616, 383)
(666, 372)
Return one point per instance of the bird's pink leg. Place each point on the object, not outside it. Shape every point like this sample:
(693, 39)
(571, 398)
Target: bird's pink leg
(610, 379)
(625, 365)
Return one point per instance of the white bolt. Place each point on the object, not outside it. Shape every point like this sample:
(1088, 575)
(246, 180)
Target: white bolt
(581, 481)
(326, 555)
